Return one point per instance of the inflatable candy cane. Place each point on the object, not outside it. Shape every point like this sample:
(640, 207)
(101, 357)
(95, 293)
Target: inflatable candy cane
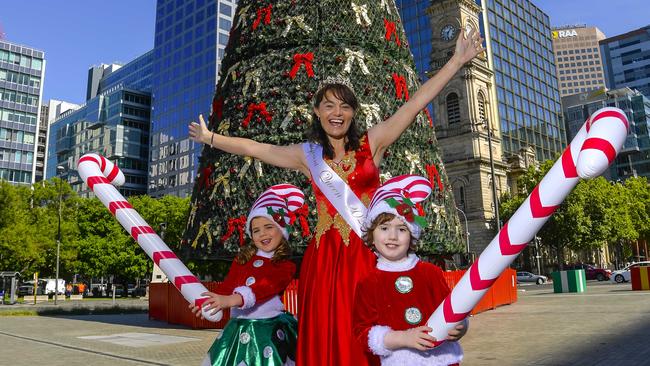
(100, 175)
(589, 154)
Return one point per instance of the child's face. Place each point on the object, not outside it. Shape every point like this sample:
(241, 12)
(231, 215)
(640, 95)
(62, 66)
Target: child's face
(392, 239)
(265, 234)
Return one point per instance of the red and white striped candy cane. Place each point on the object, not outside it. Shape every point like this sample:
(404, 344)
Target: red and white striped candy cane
(589, 154)
(100, 175)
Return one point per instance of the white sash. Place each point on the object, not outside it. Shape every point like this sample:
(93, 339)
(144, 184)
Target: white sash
(340, 195)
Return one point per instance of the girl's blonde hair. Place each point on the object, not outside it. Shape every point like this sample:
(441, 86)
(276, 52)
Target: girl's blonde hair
(282, 252)
(382, 218)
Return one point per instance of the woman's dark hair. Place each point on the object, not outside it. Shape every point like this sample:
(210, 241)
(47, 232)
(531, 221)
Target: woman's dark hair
(317, 133)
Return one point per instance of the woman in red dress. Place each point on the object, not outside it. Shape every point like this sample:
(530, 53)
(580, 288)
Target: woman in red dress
(346, 164)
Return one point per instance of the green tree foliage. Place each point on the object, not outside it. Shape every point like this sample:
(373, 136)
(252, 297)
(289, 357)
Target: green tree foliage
(93, 243)
(595, 213)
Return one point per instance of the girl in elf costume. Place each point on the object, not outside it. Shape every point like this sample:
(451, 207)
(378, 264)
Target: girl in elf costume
(259, 332)
(393, 303)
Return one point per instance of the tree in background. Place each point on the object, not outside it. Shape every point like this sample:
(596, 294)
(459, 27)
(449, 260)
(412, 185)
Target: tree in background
(596, 213)
(277, 54)
(93, 242)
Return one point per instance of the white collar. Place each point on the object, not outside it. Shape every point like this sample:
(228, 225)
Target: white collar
(400, 266)
(264, 254)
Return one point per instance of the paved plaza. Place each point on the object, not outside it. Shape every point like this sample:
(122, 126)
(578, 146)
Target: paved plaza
(608, 325)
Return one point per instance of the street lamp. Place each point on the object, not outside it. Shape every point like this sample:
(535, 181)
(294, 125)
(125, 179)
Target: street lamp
(59, 170)
(494, 181)
(537, 239)
(466, 232)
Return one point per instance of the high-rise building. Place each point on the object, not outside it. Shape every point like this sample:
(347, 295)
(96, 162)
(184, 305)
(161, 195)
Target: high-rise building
(22, 70)
(577, 58)
(527, 87)
(190, 39)
(521, 56)
(115, 123)
(41, 144)
(626, 60)
(634, 158)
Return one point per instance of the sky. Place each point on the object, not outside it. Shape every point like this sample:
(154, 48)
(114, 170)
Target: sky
(77, 34)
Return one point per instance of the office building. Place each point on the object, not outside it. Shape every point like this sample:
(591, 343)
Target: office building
(115, 123)
(577, 58)
(190, 39)
(626, 60)
(22, 70)
(634, 158)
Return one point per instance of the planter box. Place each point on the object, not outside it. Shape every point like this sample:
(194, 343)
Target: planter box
(569, 281)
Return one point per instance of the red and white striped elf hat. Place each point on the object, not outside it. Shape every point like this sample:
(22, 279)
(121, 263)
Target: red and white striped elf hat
(398, 196)
(275, 204)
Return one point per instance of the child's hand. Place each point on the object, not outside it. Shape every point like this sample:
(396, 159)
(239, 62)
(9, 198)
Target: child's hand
(416, 338)
(214, 302)
(457, 333)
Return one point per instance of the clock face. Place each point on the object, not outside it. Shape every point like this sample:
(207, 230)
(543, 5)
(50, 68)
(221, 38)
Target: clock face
(448, 32)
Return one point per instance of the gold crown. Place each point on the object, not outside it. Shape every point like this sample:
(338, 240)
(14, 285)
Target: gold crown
(338, 79)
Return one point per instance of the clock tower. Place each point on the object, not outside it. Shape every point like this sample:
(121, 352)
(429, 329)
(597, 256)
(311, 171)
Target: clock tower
(467, 123)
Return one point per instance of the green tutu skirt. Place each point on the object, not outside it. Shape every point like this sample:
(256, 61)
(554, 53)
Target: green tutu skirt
(263, 342)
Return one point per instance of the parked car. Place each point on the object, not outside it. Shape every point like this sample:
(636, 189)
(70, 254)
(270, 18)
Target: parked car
(592, 272)
(623, 275)
(119, 290)
(530, 277)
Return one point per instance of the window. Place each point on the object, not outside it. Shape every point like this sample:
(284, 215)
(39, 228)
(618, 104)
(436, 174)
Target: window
(453, 108)
(481, 107)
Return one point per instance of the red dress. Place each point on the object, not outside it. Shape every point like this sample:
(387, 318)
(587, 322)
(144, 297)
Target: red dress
(334, 262)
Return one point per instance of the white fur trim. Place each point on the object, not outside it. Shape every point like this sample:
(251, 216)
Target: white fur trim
(376, 340)
(247, 295)
(406, 264)
(264, 254)
(269, 309)
(445, 354)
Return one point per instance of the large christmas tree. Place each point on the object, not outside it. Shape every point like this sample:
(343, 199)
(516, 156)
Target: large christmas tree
(277, 54)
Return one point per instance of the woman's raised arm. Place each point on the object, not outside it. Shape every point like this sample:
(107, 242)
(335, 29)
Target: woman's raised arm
(290, 157)
(382, 135)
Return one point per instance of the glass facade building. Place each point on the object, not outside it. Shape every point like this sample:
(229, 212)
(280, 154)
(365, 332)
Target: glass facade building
(634, 158)
(115, 123)
(626, 60)
(21, 88)
(527, 88)
(190, 39)
(524, 67)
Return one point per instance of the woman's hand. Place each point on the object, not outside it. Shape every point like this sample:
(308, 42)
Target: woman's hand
(468, 46)
(416, 338)
(199, 131)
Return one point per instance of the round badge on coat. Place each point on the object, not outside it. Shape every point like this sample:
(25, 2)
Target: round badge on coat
(268, 352)
(413, 316)
(244, 338)
(404, 284)
(258, 263)
(250, 281)
(280, 334)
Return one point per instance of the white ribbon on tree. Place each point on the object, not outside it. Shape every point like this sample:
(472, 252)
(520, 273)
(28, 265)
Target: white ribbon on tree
(242, 14)
(359, 57)
(254, 76)
(371, 111)
(340, 195)
(361, 13)
(294, 111)
(300, 22)
(232, 72)
(386, 4)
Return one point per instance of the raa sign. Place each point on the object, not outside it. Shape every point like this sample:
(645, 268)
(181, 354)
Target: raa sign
(564, 33)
